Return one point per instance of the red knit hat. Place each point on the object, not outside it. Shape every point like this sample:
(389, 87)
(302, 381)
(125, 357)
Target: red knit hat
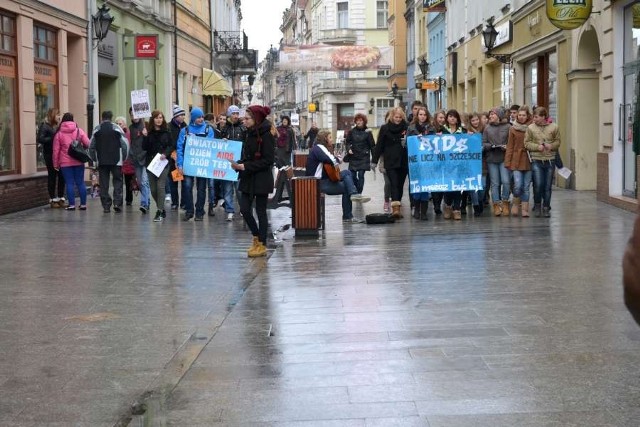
(259, 113)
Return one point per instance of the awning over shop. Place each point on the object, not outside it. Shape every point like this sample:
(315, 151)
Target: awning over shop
(213, 84)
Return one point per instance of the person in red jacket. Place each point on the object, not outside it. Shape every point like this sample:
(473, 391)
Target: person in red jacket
(72, 169)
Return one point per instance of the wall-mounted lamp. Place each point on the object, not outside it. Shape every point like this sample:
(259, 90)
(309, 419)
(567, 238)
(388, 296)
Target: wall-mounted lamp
(101, 23)
(372, 102)
(490, 35)
(251, 79)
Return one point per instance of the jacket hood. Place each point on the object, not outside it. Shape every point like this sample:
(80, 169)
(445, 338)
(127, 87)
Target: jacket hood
(68, 127)
(196, 113)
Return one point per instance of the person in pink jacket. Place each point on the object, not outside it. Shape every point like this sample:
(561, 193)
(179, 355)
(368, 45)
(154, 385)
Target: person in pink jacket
(72, 169)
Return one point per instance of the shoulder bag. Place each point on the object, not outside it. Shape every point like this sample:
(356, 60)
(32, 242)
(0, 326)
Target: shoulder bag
(77, 150)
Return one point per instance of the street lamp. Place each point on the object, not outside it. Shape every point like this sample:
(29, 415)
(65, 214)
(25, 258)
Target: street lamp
(250, 97)
(101, 22)
(490, 35)
(251, 79)
(424, 68)
(396, 95)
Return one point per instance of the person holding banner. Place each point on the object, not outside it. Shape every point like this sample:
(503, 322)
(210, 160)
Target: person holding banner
(175, 126)
(475, 125)
(494, 144)
(158, 141)
(439, 120)
(235, 131)
(453, 199)
(256, 178)
(197, 127)
(421, 125)
(392, 143)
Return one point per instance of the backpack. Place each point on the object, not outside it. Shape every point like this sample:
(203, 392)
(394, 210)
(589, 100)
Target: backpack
(283, 137)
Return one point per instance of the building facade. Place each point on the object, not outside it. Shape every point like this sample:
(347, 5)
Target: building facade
(43, 54)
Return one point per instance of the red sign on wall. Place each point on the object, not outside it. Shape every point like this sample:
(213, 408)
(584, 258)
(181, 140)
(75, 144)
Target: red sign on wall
(147, 46)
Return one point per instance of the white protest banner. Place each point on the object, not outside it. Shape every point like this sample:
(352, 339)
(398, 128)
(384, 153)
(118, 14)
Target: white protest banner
(140, 104)
(157, 165)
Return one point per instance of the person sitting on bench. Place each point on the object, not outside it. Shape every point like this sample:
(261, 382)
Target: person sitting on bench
(321, 154)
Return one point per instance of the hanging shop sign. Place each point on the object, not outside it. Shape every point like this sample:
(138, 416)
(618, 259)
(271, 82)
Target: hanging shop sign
(146, 46)
(568, 14)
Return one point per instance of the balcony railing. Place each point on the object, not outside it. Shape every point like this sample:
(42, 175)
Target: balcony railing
(337, 85)
(338, 36)
(230, 41)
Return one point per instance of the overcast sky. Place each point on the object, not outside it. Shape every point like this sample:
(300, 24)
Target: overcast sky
(261, 20)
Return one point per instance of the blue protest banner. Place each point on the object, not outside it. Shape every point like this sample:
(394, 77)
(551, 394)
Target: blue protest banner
(445, 162)
(209, 157)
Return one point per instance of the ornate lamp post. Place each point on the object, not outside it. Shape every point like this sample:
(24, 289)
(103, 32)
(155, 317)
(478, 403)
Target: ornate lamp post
(101, 23)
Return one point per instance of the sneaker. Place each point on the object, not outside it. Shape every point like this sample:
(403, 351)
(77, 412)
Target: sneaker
(230, 216)
(106, 210)
(158, 217)
(353, 220)
(360, 198)
(144, 209)
(163, 213)
(70, 208)
(386, 207)
(199, 218)
(174, 207)
(117, 209)
(211, 211)
(187, 217)
(167, 198)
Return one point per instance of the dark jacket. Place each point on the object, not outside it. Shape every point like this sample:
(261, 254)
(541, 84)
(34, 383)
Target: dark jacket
(258, 156)
(46, 132)
(497, 135)
(311, 135)
(286, 138)
(175, 129)
(108, 144)
(390, 145)
(136, 152)
(318, 156)
(233, 131)
(360, 142)
(158, 142)
(418, 129)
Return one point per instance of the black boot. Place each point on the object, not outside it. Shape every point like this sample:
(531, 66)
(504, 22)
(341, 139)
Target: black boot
(416, 209)
(424, 207)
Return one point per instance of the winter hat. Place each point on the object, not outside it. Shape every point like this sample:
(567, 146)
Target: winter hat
(178, 111)
(232, 109)
(259, 113)
(501, 112)
(196, 113)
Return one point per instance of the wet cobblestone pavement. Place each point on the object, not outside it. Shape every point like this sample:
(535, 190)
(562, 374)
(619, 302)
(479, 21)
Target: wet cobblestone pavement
(483, 322)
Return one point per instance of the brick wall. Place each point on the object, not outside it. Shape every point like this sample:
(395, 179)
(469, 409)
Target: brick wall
(18, 193)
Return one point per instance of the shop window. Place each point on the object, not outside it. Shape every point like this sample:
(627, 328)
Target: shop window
(8, 93)
(45, 52)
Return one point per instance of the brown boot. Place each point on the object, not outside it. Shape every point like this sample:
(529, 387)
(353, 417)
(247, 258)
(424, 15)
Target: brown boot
(395, 210)
(260, 250)
(448, 212)
(497, 209)
(515, 206)
(457, 215)
(525, 209)
(254, 245)
(504, 205)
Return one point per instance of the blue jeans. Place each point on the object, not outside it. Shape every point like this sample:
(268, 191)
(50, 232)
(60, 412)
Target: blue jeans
(521, 184)
(227, 194)
(74, 176)
(143, 183)
(499, 175)
(477, 197)
(345, 187)
(187, 194)
(358, 180)
(542, 181)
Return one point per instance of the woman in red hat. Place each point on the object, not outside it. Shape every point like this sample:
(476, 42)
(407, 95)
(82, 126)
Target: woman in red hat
(256, 178)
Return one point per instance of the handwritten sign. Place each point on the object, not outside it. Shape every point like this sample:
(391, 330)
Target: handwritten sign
(209, 157)
(140, 104)
(445, 163)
